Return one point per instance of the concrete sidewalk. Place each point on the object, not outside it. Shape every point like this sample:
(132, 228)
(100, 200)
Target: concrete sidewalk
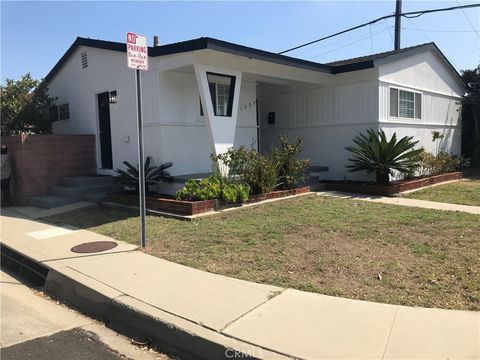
(200, 315)
(404, 202)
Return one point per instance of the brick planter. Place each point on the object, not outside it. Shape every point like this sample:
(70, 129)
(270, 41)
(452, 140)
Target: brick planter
(393, 188)
(278, 194)
(182, 207)
(165, 205)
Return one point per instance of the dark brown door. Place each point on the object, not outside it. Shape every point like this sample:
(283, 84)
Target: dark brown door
(105, 131)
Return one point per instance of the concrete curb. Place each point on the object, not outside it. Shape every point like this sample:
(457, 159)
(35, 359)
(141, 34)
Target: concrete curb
(138, 320)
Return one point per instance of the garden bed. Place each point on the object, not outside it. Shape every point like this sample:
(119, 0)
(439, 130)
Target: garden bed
(393, 188)
(162, 204)
(183, 207)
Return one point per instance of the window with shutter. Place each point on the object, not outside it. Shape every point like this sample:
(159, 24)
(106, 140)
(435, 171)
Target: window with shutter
(393, 102)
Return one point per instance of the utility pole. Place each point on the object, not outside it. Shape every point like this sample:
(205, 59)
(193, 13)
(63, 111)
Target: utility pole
(398, 23)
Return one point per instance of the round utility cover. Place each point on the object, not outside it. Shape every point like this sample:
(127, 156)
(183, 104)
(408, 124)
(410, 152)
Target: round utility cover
(93, 247)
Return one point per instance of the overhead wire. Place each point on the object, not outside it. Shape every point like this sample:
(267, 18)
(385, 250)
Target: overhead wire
(468, 19)
(411, 14)
(346, 45)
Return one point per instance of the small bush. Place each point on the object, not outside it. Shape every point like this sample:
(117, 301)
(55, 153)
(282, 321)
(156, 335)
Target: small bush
(280, 168)
(214, 187)
(442, 163)
(205, 189)
(235, 193)
(292, 169)
(259, 172)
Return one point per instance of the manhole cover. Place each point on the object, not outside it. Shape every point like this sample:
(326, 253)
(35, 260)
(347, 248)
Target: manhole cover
(93, 247)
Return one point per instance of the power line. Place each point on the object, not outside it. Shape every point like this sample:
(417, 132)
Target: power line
(426, 36)
(349, 44)
(389, 31)
(406, 14)
(468, 19)
(441, 31)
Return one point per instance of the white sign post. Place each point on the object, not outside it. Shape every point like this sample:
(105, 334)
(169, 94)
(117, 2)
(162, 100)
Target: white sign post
(137, 58)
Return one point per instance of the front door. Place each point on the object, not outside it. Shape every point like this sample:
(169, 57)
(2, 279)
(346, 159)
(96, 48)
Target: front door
(105, 132)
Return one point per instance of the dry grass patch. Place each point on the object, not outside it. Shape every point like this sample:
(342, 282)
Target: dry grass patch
(355, 249)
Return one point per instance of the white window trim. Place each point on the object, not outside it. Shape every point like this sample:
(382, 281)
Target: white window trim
(414, 91)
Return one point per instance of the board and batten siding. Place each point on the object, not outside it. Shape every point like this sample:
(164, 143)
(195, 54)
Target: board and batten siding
(326, 118)
(441, 91)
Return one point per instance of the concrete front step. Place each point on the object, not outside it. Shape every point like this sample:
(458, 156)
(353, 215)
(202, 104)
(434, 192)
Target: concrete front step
(95, 197)
(79, 181)
(49, 201)
(77, 193)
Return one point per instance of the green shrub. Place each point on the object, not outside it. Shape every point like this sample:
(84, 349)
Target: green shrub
(153, 174)
(373, 153)
(205, 189)
(235, 193)
(426, 164)
(441, 163)
(292, 170)
(259, 172)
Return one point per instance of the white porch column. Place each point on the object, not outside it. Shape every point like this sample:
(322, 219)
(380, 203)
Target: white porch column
(221, 128)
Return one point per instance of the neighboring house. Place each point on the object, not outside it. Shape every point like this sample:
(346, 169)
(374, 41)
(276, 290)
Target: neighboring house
(205, 95)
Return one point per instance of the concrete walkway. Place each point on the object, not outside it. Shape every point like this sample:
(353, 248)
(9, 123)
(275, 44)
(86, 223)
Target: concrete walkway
(404, 202)
(200, 315)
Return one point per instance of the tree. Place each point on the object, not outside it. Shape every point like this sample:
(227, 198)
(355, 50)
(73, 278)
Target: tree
(375, 154)
(26, 107)
(471, 115)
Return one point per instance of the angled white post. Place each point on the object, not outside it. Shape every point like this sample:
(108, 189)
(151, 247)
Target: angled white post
(219, 93)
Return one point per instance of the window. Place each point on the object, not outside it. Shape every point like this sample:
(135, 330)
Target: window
(221, 92)
(63, 112)
(406, 104)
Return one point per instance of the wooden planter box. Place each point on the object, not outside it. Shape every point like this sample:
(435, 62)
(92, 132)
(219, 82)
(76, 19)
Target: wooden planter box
(165, 205)
(392, 188)
(182, 207)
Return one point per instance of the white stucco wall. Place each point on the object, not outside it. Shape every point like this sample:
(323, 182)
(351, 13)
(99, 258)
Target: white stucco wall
(79, 87)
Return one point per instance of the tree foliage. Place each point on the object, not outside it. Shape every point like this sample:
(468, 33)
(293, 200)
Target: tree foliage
(373, 153)
(26, 107)
(471, 115)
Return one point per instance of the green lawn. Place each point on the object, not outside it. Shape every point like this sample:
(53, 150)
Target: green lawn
(354, 249)
(466, 192)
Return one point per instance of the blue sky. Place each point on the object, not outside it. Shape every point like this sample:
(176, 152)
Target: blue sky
(34, 35)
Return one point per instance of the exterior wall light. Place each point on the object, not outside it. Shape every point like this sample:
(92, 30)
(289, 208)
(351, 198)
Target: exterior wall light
(112, 97)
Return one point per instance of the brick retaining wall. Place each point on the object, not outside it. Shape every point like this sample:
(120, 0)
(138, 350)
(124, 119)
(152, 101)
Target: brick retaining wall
(40, 161)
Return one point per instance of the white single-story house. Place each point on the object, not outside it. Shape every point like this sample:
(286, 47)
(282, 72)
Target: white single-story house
(203, 96)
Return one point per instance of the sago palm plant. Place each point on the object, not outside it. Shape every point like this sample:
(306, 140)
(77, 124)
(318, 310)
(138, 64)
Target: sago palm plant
(153, 174)
(373, 153)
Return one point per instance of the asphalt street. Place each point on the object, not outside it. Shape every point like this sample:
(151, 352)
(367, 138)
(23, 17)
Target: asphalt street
(33, 326)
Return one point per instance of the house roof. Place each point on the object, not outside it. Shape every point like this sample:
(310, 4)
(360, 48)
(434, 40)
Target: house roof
(192, 45)
(336, 67)
(364, 62)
